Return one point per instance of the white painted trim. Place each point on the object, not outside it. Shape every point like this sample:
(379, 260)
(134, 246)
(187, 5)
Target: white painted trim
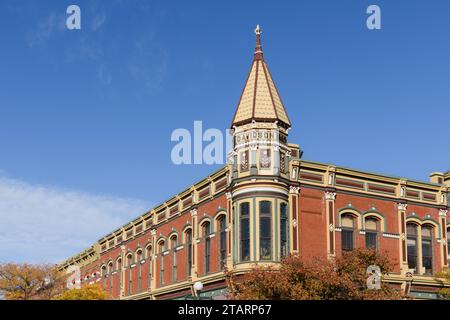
(259, 189)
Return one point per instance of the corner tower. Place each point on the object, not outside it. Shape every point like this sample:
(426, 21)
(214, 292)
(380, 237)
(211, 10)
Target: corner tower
(259, 162)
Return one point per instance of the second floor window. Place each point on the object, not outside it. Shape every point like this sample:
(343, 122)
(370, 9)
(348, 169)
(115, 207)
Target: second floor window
(427, 249)
(222, 242)
(161, 263)
(348, 232)
(206, 233)
(265, 230)
(284, 218)
(371, 229)
(173, 245)
(189, 251)
(411, 233)
(244, 235)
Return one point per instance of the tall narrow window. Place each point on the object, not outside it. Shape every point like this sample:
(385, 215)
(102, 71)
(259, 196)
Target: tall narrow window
(130, 280)
(174, 258)
(119, 271)
(161, 263)
(110, 271)
(265, 230)
(371, 229)
(448, 246)
(222, 242)
(206, 233)
(411, 232)
(138, 261)
(348, 232)
(244, 231)
(189, 251)
(283, 230)
(149, 270)
(427, 249)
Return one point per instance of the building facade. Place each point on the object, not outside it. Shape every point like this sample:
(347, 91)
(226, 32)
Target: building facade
(267, 203)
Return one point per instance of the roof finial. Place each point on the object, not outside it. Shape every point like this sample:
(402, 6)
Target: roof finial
(258, 49)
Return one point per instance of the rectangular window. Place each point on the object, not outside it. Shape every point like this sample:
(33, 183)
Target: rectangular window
(245, 231)
(412, 253)
(283, 230)
(223, 243)
(189, 252)
(265, 230)
(427, 256)
(347, 239)
(371, 240)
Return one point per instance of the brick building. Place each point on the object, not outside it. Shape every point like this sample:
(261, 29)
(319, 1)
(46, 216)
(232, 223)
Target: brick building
(266, 203)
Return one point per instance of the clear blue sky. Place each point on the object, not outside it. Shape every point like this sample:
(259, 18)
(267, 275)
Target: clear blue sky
(91, 112)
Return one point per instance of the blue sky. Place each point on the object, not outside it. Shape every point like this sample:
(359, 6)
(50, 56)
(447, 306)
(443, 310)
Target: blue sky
(86, 116)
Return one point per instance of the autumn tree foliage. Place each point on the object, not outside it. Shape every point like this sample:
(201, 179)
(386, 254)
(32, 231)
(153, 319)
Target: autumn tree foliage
(88, 292)
(344, 278)
(444, 278)
(30, 281)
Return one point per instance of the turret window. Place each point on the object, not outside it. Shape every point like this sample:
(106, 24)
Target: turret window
(244, 231)
(265, 230)
(265, 161)
(283, 230)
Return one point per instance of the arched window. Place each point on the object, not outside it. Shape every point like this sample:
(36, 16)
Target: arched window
(206, 233)
(110, 270)
(348, 232)
(265, 230)
(161, 249)
(188, 235)
(371, 225)
(110, 267)
(427, 249)
(222, 223)
(119, 270)
(411, 236)
(149, 261)
(103, 271)
(139, 256)
(130, 274)
(284, 218)
(173, 245)
(244, 212)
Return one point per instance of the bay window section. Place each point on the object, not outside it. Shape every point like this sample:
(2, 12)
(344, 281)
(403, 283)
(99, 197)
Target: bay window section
(283, 230)
(265, 230)
(244, 236)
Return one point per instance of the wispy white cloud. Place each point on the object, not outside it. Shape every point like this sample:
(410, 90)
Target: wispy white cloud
(98, 21)
(45, 28)
(47, 224)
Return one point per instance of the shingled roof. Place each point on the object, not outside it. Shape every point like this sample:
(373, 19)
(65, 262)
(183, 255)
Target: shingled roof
(260, 100)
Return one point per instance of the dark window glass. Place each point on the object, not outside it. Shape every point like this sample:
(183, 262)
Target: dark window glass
(174, 259)
(189, 251)
(265, 230)
(371, 240)
(245, 231)
(206, 233)
(222, 243)
(347, 233)
(161, 259)
(283, 230)
(411, 231)
(149, 258)
(347, 239)
(427, 250)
